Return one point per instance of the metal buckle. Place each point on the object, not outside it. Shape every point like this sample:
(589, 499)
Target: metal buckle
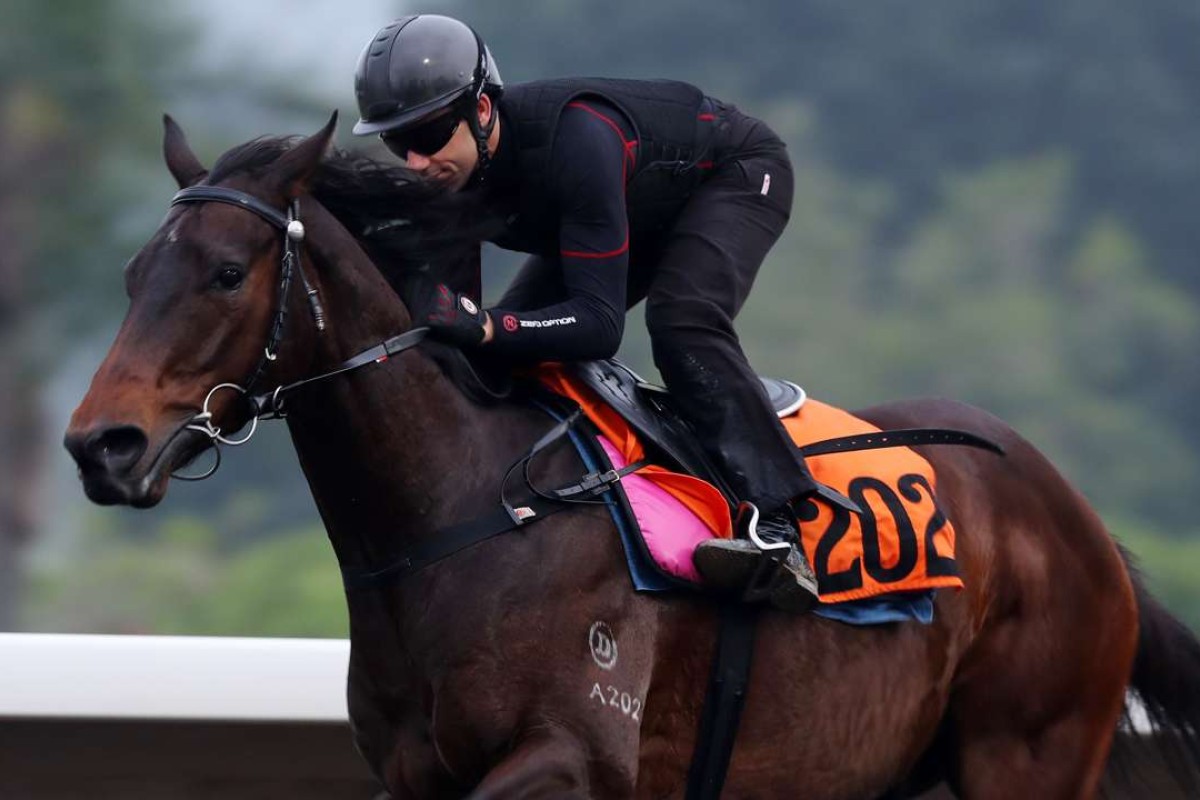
(202, 422)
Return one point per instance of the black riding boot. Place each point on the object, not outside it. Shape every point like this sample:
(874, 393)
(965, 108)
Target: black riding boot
(763, 562)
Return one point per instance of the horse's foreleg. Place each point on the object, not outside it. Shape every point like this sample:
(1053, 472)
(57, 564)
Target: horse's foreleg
(545, 765)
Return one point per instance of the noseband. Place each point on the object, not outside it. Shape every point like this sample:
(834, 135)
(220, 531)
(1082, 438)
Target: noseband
(270, 404)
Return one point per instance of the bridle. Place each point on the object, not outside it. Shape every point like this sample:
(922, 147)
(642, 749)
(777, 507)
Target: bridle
(270, 405)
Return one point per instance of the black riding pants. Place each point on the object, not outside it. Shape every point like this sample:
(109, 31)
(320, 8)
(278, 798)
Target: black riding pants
(695, 279)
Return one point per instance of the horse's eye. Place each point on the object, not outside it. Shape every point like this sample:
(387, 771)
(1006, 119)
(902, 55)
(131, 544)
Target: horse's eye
(230, 277)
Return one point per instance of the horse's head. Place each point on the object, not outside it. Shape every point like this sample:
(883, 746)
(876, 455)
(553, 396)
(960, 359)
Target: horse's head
(204, 298)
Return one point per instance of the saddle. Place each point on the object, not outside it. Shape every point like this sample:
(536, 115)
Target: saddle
(650, 411)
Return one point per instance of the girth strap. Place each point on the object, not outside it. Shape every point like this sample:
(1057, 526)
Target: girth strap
(727, 687)
(901, 437)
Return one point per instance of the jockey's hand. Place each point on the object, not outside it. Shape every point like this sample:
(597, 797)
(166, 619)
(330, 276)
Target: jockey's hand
(451, 316)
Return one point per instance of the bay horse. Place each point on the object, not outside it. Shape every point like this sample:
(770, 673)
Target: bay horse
(478, 676)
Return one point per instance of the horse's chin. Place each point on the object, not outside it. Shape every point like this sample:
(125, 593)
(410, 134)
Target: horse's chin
(151, 490)
(107, 490)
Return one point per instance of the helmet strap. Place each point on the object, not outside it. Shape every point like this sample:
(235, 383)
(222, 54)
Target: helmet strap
(482, 133)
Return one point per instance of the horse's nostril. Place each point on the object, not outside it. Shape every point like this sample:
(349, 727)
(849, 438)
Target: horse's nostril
(113, 450)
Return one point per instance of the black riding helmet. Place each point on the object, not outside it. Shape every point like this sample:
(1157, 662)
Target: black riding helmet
(418, 66)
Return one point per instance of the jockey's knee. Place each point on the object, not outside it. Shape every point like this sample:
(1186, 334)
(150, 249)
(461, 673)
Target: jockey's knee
(669, 320)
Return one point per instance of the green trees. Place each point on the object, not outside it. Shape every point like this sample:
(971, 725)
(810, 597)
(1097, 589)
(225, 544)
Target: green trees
(74, 85)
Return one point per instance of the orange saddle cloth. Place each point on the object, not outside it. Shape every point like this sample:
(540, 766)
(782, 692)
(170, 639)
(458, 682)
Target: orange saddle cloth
(902, 542)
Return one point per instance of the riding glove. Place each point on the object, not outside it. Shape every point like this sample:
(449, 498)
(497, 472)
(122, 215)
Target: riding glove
(451, 316)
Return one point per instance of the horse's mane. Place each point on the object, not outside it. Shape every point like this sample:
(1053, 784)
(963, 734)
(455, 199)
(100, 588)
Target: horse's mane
(405, 224)
(402, 221)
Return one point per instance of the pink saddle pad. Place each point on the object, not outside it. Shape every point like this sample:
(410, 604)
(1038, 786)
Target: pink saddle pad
(671, 531)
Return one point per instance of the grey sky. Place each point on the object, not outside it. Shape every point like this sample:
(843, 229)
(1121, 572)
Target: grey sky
(315, 41)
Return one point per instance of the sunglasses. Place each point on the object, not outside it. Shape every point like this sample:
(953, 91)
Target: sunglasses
(425, 139)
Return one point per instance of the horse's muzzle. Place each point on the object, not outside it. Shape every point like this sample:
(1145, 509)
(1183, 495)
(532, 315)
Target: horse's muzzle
(106, 457)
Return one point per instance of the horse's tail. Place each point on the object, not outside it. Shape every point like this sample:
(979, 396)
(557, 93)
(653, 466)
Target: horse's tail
(1166, 681)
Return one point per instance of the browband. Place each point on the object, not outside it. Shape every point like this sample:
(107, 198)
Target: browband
(221, 194)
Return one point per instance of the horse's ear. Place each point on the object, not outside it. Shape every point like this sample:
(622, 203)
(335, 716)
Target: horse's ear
(181, 161)
(296, 166)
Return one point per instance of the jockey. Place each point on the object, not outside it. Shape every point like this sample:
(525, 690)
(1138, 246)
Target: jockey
(619, 190)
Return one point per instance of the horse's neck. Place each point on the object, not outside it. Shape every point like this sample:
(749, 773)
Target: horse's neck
(393, 451)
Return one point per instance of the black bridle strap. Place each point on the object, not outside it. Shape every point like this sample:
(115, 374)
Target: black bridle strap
(221, 194)
(291, 258)
(272, 402)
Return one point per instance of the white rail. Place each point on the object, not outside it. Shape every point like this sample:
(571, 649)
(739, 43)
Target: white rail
(188, 678)
(173, 677)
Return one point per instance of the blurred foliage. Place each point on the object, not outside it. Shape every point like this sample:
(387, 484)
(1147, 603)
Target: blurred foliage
(182, 578)
(1169, 566)
(993, 203)
(78, 81)
(906, 91)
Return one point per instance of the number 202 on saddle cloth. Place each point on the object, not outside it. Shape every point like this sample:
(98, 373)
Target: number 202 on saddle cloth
(902, 542)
